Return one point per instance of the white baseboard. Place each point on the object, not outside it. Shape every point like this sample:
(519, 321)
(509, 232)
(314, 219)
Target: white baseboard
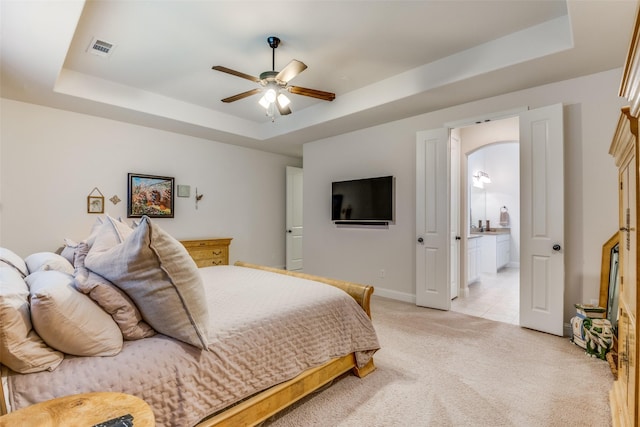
(399, 296)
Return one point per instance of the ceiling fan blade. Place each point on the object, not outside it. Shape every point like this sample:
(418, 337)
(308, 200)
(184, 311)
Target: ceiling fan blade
(235, 73)
(292, 69)
(242, 95)
(327, 96)
(283, 110)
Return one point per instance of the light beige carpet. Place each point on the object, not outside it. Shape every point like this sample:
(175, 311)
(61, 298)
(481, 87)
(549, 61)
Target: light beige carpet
(440, 368)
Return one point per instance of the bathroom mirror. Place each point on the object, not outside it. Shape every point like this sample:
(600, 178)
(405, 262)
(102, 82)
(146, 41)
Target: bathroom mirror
(609, 277)
(478, 205)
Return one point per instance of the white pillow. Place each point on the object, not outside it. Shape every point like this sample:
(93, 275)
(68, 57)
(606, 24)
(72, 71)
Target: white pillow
(42, 261)
(68, 320)
(109, 234)
(94, 231)
(8, 257)
(21, 349)
(157, 273)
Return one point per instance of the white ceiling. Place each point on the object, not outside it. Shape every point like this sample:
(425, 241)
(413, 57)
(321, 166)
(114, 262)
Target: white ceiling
(384, 60)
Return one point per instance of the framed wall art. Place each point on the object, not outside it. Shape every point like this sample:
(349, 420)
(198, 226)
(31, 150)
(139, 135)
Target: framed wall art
(95, 202)
(150, 195)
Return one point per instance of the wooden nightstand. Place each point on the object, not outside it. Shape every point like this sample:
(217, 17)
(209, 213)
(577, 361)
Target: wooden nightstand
(208, 252)
(85, 410)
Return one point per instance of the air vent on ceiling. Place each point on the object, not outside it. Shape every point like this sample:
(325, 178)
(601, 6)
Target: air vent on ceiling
(100, 47)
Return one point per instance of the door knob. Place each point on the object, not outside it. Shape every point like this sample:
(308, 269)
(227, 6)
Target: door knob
(289, 231)
(457, 237)
(557, 247)
(420, 240)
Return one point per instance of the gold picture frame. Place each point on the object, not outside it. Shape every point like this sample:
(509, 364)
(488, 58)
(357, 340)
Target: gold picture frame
(609, 279)
(95, 203)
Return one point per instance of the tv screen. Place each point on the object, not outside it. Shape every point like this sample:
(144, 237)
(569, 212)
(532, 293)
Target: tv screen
(363, 200)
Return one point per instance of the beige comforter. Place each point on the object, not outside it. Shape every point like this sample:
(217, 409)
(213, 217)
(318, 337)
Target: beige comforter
(265, 328)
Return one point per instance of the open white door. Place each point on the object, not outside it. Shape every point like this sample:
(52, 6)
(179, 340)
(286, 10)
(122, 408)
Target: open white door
(455, 216)
(542, 220)
(432, 219)
(294, 219)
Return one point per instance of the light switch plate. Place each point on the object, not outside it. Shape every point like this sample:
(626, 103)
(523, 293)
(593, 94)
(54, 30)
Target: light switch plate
(184, 190)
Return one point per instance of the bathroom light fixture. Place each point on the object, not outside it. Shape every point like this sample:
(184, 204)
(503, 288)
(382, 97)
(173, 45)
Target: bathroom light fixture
(484, 177)
(480, 178)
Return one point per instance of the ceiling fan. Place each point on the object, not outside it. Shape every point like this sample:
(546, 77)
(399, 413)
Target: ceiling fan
(273, 83)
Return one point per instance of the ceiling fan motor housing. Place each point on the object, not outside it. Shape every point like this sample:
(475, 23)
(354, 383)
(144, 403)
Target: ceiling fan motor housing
(273, 42)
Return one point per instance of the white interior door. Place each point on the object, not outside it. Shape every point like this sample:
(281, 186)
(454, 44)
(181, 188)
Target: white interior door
(455, 216)
(542, 220)
(294, 219)
(433, 286)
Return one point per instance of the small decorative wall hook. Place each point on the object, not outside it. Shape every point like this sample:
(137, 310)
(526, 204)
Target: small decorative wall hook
(198, 197)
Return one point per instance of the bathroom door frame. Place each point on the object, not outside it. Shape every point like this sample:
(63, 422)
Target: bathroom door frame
(541, 294)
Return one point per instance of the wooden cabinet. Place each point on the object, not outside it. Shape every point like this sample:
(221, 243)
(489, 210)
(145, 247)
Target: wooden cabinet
(624, 395)
(474, 258)
(208, 252)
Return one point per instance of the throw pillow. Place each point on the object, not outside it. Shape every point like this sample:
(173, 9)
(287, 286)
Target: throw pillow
(157, 273)
(111, 299)
(43, 261)
(10, 258)
(21, 349)
(68, 320)
(109, 234)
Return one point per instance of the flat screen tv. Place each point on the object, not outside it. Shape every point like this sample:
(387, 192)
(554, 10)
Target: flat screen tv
(369, 200)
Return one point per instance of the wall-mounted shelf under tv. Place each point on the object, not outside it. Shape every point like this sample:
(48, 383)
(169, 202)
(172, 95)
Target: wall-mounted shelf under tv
(368, 201)
(361, 222)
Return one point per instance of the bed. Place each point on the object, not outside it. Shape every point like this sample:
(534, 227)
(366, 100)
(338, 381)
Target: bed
(267, 337)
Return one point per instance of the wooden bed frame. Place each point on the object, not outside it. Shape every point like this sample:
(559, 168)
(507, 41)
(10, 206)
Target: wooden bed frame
(267, 403)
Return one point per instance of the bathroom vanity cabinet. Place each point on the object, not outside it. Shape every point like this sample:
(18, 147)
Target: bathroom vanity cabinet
(474, 258)
(496, 251)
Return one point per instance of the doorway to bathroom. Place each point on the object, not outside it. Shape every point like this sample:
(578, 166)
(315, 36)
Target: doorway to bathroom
(489, 203)
(541, 146)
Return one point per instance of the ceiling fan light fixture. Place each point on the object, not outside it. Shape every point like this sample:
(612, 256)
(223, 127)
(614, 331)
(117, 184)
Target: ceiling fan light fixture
(263, 101)
(270, 95)
(283, 101)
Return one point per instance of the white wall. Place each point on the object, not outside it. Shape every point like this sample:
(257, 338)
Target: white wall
(591, 110)
(502, 163)
(50, 160)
